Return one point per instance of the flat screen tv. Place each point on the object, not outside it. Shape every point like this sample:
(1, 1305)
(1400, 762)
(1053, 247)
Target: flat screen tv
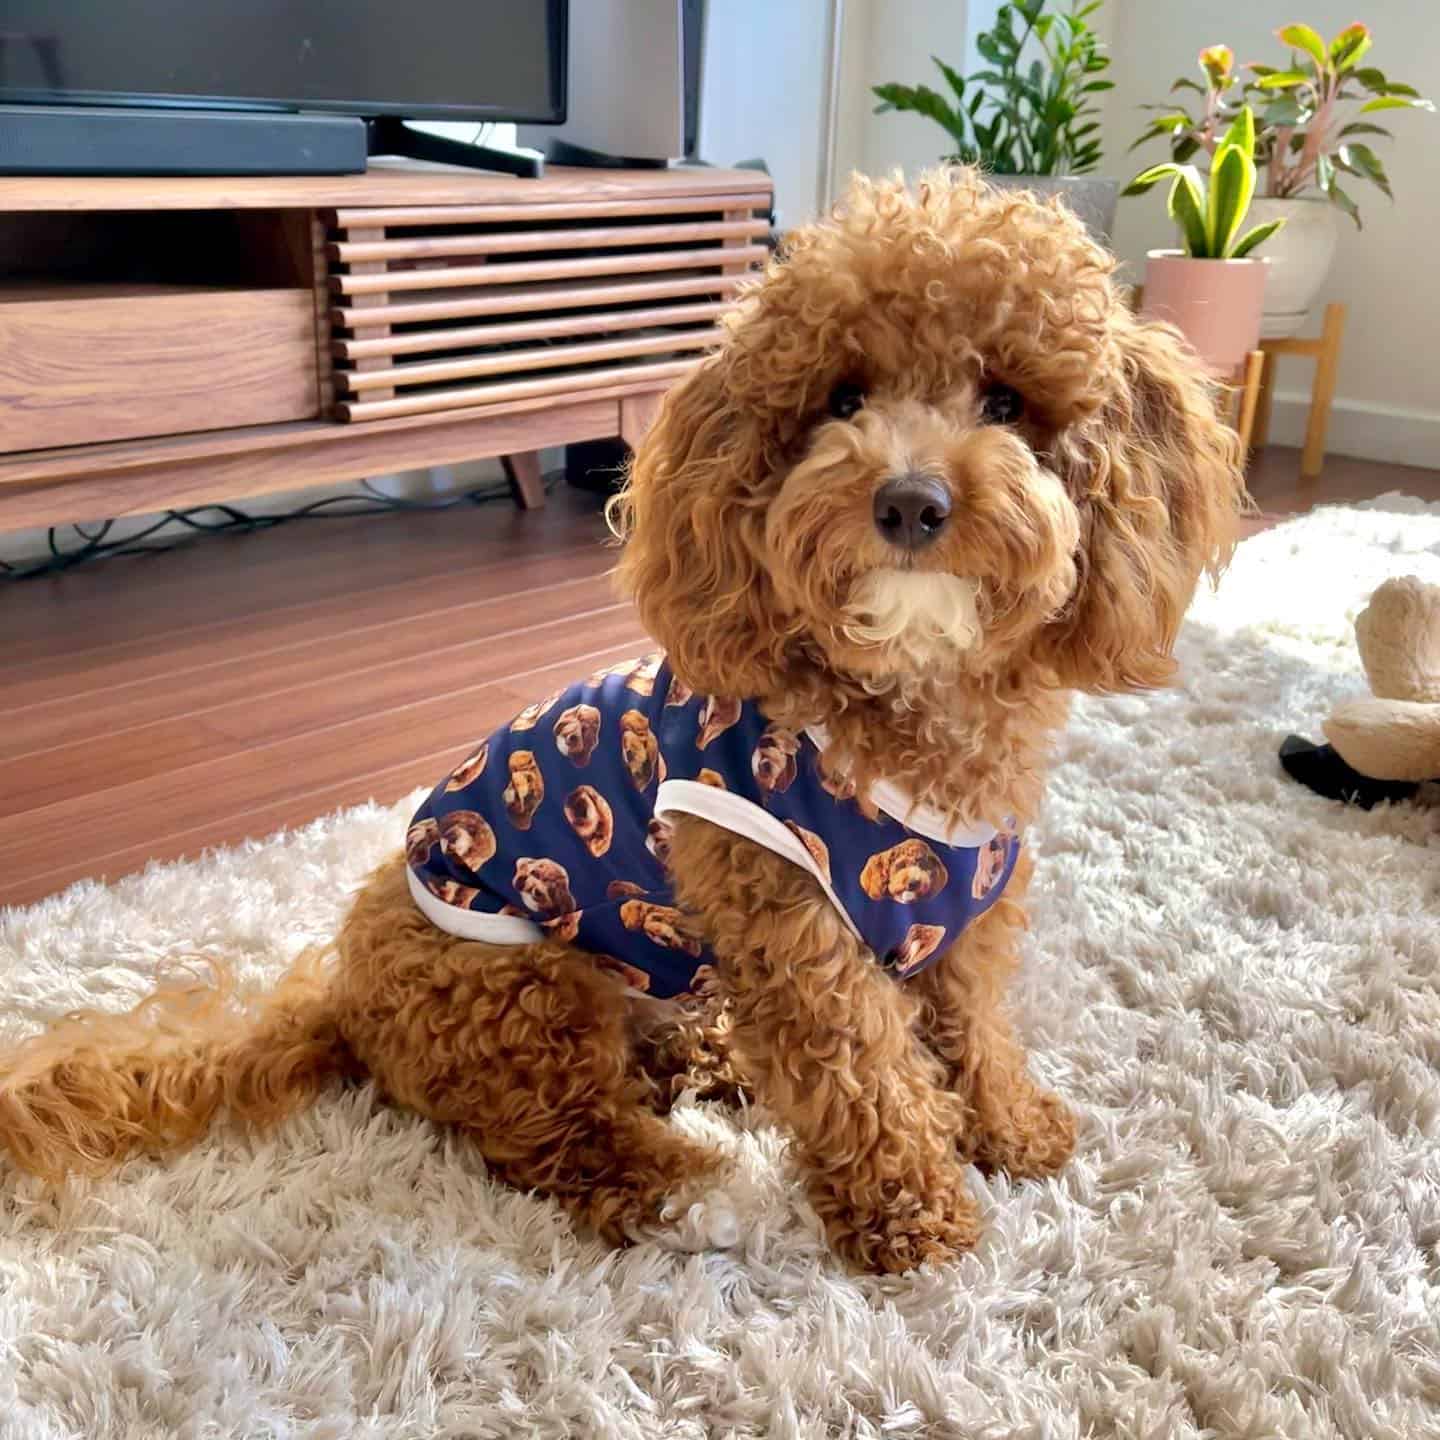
(369, 60)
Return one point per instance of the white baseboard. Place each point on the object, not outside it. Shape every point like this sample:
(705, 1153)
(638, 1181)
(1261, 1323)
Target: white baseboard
(1370, 432)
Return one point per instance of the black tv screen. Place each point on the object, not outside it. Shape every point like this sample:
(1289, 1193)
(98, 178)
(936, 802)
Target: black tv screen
(433, 59)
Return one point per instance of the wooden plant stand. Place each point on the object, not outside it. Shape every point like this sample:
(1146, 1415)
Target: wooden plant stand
(170, 342)
(1325, 351)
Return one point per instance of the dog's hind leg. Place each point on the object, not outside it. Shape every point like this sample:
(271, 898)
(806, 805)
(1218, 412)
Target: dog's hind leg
(525, 1048)
(1010, 1124)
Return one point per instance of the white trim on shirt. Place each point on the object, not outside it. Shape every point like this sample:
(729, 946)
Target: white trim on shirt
(745, 818)
(904, 809)
(472, 924)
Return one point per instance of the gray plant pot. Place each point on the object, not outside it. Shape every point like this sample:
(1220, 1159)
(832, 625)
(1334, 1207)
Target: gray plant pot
(1091, 199)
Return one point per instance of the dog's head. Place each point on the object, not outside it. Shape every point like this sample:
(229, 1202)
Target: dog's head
(466, 836)
(934, 443)
(577, 732)
(906, 872)
(660, 924)
(544, 886)
(773, 762)
(420, 839)
(718, 714)
(591, 818)
(989, 865)
(659, 836)
(638, 748)
(470, 769)
(919, 944)
(525, 793)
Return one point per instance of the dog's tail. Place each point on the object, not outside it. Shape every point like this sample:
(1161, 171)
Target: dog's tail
(95, 1089)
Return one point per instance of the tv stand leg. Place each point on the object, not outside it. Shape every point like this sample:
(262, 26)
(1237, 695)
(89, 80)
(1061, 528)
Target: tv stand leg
(528, 484)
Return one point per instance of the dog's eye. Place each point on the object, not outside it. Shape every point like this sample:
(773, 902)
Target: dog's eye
(845, 399)
(1001, 405)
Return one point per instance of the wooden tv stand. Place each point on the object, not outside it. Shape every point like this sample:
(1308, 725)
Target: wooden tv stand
(171, 342)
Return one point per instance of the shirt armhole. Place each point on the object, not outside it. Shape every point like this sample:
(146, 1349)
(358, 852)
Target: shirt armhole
(745, 818)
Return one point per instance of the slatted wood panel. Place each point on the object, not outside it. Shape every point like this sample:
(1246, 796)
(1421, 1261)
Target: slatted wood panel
(438, 308)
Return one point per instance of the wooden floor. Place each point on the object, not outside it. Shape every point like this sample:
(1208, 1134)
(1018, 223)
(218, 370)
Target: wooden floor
(156, 706)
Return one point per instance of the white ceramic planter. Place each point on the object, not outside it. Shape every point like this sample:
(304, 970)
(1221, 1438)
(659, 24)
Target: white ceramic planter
(1299, 254)
(1216, 304)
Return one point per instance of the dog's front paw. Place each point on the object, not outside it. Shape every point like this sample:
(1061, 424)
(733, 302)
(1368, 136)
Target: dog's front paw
(1032, 1139)
(711, 1223)
(897, 1239)
(696, 1220)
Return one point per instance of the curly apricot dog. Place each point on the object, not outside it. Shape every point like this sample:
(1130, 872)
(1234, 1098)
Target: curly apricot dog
(937, 477)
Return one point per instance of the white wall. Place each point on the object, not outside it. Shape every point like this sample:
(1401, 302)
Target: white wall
(763, 94)
(893, 40)
(1388, 400)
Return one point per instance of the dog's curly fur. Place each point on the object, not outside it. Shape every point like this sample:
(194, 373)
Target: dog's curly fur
(1078, 532)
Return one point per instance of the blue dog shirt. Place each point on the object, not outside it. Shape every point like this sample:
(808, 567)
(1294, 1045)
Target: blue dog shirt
(558, 824)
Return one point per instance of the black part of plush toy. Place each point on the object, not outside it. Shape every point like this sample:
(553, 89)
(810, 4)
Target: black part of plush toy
(1320, 768)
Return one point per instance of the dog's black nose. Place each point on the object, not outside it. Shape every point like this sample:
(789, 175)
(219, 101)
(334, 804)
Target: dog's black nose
(911, 510)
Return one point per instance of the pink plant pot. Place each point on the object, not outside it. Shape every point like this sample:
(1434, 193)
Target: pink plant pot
(1217, 304)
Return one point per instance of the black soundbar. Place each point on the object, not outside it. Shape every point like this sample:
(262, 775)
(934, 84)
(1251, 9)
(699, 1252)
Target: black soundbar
(110, 140)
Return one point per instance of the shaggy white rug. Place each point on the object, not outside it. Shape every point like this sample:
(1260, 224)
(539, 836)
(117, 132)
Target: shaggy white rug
(1234, 981)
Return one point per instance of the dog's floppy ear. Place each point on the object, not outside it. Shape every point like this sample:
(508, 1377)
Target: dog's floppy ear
(876, 874)
(692, 516)
(1156, 478)
(934, 867)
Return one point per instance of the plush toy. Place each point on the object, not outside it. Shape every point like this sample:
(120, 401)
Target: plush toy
(1386, 745)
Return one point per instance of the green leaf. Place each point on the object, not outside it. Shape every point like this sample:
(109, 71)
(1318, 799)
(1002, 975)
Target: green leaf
(1284, 111)
(1394, 87)
(1146, 179)
(1361, 160)
(1251, 238)
(1241, 133)
(1182, 150)
(1284, 79)
(1093, 87)
(1360, 127)
(986, 45)
(1186, 83)
(1302, 37)
(1349, 45)
(1370, 78)
(1394, 102)
(1232, 184)
(1256, 68)
(1339, 197)
(955, 80)
(922, 100)
(1187, 206)
(1324, 171)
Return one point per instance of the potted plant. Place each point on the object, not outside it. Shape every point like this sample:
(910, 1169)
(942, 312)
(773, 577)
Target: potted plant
(1031, 119)
(1307, 143)
(1213, 289)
